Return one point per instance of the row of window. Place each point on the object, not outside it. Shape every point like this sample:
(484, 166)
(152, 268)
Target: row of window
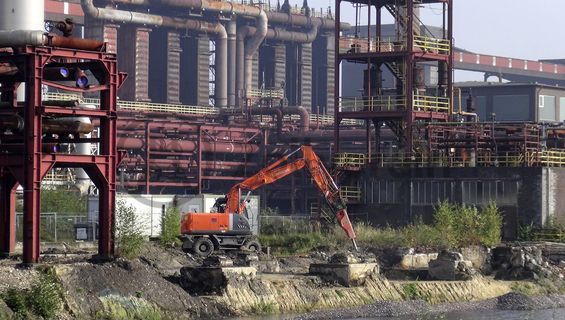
(517, 108)
(432, 192)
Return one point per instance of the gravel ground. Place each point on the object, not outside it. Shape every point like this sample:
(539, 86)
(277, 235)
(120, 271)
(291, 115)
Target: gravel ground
(510, 301)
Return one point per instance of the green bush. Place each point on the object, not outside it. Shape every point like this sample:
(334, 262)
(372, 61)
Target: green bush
(170, 227)
(491, 225)
(17, 300)
(43, 299)
(60, 201)
(128, 235)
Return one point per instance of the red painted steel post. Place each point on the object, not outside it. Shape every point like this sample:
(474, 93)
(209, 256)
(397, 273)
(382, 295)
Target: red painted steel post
(32, 158)
(8, 186)
(107, 199)
(337, 119)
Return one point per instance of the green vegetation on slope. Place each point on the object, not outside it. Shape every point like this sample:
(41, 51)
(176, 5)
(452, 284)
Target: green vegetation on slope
(454, 226)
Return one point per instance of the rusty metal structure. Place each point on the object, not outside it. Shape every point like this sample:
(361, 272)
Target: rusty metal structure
(31, 150)
(410, 102)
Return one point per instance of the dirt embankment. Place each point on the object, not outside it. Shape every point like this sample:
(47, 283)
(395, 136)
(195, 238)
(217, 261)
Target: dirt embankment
(149, 287)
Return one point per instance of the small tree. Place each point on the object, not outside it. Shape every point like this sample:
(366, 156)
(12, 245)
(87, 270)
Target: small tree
(491, 227)
(170, 227)
(129, 238)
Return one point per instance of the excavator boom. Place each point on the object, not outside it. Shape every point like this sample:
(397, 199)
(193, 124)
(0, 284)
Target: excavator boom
(276, 171)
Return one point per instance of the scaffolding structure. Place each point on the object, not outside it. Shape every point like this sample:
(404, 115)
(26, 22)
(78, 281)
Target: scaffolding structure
(34, 149)
(410, 101)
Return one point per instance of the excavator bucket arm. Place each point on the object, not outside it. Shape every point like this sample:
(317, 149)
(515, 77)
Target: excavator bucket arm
(277, 170)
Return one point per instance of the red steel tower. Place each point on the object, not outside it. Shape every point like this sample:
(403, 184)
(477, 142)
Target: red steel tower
(29, 149)
(412, 51)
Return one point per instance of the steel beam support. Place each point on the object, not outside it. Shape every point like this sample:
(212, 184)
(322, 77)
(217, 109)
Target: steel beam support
(29, 166)
(337, 76)
(8, 186)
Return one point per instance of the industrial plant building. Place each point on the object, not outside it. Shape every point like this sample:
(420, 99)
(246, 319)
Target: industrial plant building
(217, 90)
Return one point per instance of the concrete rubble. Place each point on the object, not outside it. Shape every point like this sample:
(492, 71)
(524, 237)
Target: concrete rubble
(520, 263)
(450, 265)
(346, 269)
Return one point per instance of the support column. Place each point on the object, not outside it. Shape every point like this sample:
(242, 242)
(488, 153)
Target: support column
(232, 62)
(305, 76)
(133, 54)
(280, 65)
(323, 74)
(99, 30)
(7, 213)
(173, 67)
(255, 77)
(195, 63)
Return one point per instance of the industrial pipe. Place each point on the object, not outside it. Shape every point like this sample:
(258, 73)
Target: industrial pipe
(304, 116)
(261, 22)
(282, 18)
(68, 125)
(175, 23)
(19, 38)
(270, 111)
(232, 48)
(186, 146)
(175, 163)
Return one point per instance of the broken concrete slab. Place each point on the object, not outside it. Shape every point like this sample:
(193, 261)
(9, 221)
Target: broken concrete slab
(450, 265)
(346, 274)
(212, 280)
(416, 261)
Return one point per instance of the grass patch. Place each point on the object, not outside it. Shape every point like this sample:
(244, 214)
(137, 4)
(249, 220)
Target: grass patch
(411, 291)
(42, 299)
(129, 308)
(294, 243)
(263, 308)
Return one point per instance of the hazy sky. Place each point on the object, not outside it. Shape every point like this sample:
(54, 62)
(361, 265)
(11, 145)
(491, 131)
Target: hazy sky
(527, 29)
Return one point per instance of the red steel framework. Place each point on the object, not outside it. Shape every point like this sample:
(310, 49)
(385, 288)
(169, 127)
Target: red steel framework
(411, 104)
(30, 166)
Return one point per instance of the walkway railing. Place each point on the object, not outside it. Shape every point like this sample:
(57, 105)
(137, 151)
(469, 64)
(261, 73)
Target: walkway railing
(434, 45)
(350, 160)
(381, 103)
(431, 103)
(350, 194)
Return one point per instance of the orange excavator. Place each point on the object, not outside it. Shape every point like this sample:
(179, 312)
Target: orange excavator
(227, 227)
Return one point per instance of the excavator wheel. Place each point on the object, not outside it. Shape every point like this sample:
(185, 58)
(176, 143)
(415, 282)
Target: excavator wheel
(203, 247)
(252, 245)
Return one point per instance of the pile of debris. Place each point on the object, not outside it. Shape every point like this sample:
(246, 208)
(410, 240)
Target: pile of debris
(521, 263)
(450, 265)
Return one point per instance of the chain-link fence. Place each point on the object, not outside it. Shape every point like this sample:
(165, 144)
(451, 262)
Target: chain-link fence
(60, 227)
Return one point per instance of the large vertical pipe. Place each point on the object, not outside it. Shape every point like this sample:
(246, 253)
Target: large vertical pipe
(22, 15)
(242, 33)
(232, 61)
(221, 80)
(252, 45)
(181, 24)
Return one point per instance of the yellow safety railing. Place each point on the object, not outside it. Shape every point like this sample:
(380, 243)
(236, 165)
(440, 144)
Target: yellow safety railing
(380, 103)
(552, 158)
(350, 193)
(363, 45)
(139, 106)
(265, 93)
(431, 103)
(351, 160)
(435, 45)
